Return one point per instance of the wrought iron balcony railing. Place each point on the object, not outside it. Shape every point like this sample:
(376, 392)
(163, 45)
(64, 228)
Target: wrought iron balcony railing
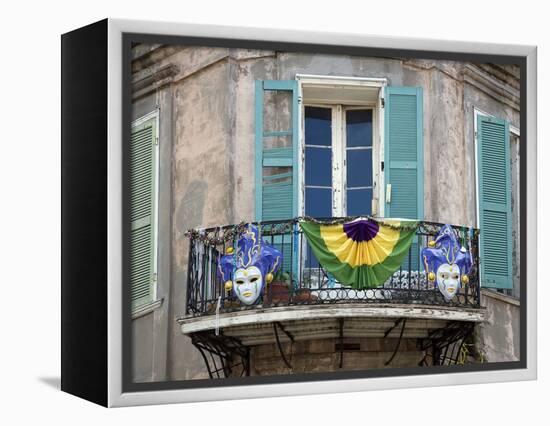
(303, 280)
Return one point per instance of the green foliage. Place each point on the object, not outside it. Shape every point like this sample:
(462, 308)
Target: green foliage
(468, 350)
(282, 277)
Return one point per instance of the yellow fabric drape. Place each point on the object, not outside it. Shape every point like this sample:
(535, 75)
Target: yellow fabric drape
(353, 253)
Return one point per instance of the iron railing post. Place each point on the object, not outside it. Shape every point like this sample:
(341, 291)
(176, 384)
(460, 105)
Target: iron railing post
(190, 281)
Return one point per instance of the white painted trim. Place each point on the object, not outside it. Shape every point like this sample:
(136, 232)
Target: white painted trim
(345, 149)
(381, 117)
(147, 309)
(338, 168)
(513, 129)
(333, 80)
(302, 151)
(338, 133)
(146, 117)
(294, 313)
(476, 168)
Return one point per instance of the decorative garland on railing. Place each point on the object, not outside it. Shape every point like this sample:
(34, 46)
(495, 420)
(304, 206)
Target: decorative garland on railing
(403, 226)
(229, 233)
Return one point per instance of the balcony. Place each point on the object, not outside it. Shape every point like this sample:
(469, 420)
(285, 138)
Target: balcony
(305, 305)
(304, 282)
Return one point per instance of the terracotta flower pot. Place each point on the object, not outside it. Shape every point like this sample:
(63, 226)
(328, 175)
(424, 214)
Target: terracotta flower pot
(277, 293)
(304, 295)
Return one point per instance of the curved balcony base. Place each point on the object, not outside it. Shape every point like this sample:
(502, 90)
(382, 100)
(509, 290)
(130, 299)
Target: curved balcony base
(321, 321)
(330, 338)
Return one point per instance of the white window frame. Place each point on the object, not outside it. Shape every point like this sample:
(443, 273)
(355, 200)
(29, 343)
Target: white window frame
(513, 130)
(338, 133)
(154, 296)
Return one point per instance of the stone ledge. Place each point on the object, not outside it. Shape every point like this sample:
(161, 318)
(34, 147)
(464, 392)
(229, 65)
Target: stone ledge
(499, 296)
(349, 310)
(147, 309)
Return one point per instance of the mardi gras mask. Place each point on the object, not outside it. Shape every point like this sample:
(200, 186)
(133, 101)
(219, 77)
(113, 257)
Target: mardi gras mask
(246, 269)
(447, 262)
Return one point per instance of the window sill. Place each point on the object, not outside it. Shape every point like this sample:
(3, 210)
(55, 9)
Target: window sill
(146, 309)
(499, 296)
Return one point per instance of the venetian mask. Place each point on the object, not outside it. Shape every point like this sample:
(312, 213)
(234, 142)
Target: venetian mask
(248, 284)
(245, 269)
(447, 263)
(448, 280)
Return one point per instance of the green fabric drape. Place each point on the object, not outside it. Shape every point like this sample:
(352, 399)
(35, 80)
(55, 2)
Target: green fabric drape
(362, 253)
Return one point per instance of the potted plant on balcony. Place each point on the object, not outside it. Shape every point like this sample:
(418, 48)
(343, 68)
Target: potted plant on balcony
(303, 294)
(278, 290)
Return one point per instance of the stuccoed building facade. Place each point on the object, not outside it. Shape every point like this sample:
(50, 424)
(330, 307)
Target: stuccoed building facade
(223, 136)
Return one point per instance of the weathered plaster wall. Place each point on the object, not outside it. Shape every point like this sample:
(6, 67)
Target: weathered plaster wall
(321, 356)
(143, 331)
(203, 183)
(210, 106)
(150, 331)
(499, 336)
(247, 67)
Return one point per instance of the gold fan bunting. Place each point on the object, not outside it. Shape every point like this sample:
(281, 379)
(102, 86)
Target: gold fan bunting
(362, 253)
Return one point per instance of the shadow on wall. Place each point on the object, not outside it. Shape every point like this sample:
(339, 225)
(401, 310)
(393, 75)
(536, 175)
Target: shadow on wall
(191, 208)
(189, 214)
(499, 335)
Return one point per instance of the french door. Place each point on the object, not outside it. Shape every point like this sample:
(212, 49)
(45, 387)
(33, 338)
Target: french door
(338, 166)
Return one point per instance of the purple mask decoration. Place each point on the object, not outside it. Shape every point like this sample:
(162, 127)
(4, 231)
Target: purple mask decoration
(252, 264)
(447, 262)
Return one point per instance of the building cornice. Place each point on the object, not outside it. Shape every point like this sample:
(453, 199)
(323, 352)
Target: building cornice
(152, 79)
(492, 86)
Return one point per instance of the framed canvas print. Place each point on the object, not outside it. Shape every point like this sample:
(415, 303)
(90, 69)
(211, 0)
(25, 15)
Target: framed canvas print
(257, 213)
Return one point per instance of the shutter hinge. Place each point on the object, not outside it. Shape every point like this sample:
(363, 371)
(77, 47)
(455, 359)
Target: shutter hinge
(382, 102)
(154, 277)
(156, 141)
(299, 99)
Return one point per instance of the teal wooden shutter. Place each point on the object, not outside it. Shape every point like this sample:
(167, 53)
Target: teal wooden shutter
(495, 208)
(276, 166)
(143, 172)
(404, 157)
(277, 163)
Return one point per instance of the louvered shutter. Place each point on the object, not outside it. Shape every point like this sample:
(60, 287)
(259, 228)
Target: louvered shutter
(404, 157)
(276, 162)
(277, 157)
(142, 211)
(495, 211)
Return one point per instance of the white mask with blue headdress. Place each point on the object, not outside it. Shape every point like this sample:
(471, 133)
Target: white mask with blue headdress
(247, 269)
(447, 263)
